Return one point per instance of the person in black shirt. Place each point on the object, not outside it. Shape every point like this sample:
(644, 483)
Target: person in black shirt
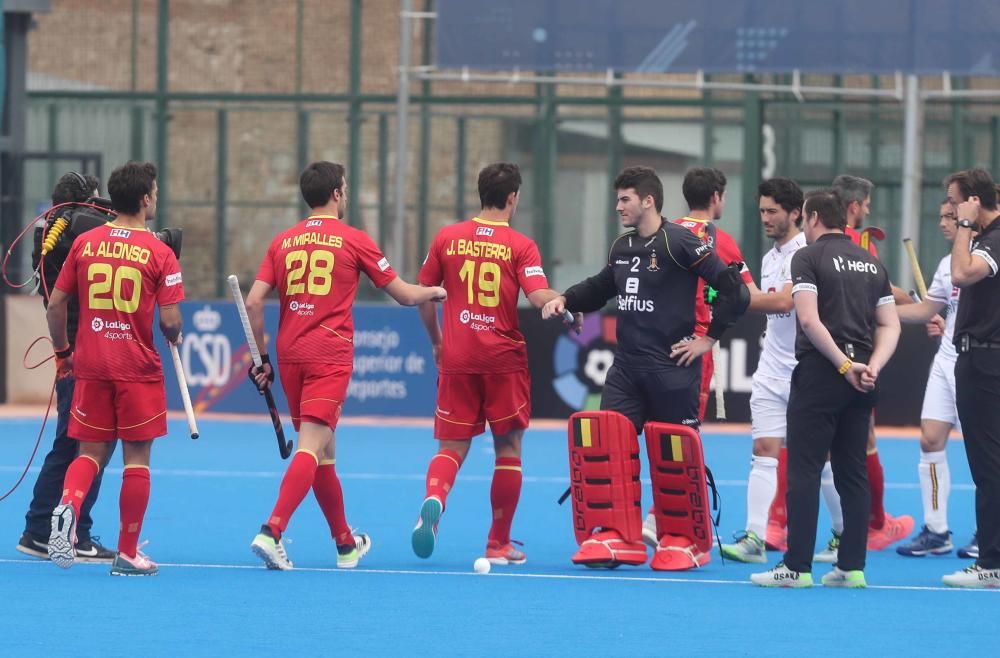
(653, 269)
(847, 331)
(974, 269)
(71, 188)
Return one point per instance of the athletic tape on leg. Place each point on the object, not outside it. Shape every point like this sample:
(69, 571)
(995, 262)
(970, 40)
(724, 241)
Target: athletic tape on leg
(680, 490)
(604, 472)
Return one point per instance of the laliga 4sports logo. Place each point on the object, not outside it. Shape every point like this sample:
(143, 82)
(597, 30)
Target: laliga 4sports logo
(97, 324)
(301, 308)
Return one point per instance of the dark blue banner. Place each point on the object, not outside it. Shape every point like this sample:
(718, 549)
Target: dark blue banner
(721, 36)
(394, 372)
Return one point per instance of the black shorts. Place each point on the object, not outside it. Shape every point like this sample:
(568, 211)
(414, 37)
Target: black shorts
(669, 395)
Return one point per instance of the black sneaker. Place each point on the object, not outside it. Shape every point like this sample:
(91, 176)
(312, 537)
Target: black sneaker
(970, 551)
(927, 542)
(33, 545)
(91, 550)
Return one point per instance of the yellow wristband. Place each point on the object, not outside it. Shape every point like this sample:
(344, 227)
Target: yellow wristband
(845, 366)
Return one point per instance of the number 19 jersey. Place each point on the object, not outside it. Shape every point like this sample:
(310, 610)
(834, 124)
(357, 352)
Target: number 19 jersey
(119, 275)
(315, 266)
(483, 265)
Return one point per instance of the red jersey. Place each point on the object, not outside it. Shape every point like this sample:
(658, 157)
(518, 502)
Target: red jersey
(315, 266)
(119, 276)
(727, 250)
(855, 237)
(482, 265)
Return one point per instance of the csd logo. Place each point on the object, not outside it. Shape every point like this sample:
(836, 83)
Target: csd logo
(207, 359)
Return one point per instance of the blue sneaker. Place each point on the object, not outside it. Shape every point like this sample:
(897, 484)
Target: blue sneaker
(425, 533)
(927, 542)
(970, 551)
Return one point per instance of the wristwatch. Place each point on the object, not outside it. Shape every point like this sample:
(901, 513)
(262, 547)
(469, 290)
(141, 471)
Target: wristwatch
(964, 223)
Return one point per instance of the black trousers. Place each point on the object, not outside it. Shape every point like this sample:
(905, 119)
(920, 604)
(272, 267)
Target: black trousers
(49, 485)
(669, 395)
(977, 390)
(826, 415)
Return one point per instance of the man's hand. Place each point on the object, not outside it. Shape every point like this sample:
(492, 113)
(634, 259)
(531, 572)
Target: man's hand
(178, 341)
(969, 209)
(262, 375)
(554, 308)
(64, 366)
(439, 294)
(686, 351)
(861, 378)
(935, 328)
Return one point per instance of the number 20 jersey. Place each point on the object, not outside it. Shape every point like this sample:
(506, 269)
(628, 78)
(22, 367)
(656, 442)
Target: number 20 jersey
(315, 266)
(119, 276)
(483, 265)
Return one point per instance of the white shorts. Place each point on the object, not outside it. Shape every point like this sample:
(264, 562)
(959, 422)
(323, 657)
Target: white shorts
(768, 407)
(939, 397)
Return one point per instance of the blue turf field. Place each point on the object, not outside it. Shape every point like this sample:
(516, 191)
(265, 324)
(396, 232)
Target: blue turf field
(212, 597)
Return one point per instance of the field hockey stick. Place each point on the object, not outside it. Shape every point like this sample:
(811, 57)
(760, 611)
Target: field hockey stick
(284, 447)
(185, 395)
(918, 275)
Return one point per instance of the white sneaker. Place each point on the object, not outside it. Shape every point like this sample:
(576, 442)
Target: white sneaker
(974, 577)
(782, 576)
(649, 531)
(62, 540)
(829, 554)
(349, 559)
(271, 551)
(840, 578)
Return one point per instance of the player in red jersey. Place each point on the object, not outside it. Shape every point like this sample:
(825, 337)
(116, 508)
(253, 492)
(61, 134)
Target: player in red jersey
(705, 192)
(483, 264)
(315, 266)
(119, 272)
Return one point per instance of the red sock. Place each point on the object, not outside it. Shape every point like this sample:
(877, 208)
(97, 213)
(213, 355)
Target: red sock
(779, 513)
(79, 476)
(504, 494)
(441, 473)
(294, 487)
(132, 504)
(876, 484)
(329, 495)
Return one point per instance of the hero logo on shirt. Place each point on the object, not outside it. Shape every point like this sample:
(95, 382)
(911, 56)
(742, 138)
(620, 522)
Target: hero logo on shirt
(484, 230)
(841, 265)
(383, 264)
(120, 233)
(534, 271)
(173, 279)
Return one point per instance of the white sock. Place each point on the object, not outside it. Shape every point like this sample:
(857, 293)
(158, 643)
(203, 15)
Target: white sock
(935, 485)
(832, 499)
(761, 485)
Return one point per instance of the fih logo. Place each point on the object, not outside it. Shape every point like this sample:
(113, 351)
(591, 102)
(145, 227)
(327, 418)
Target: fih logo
(464, 316)
(207, 319)
(581, 361)
(97, 324)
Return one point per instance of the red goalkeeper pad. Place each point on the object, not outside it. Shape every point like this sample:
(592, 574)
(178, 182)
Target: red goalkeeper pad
(604, 473)
(680, 489)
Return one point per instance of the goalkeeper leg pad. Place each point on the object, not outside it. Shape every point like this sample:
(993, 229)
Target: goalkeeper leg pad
(606, 491)
(680, 496)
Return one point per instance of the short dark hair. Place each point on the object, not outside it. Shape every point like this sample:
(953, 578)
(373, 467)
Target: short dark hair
(700, 184)
(129, 183)
(785, 192)
(74, 187)
(496, 182)
(828, 205)
(852, 188)
(318, 182)
(975, 182)
(644, 181)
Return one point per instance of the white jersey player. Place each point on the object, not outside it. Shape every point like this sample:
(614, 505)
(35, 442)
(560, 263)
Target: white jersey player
(939, 414)
(780, 204)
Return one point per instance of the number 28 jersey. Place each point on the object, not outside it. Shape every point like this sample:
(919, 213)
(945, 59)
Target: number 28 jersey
(483, 265)
(315, 266)
(119, 276)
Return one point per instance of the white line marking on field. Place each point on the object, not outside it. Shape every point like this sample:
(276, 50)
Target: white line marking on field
(501, 574)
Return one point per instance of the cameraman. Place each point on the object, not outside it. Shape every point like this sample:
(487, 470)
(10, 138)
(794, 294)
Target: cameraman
(71, 188)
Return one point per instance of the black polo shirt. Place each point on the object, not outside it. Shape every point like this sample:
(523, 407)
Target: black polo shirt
(850, 284)
(979, 310)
